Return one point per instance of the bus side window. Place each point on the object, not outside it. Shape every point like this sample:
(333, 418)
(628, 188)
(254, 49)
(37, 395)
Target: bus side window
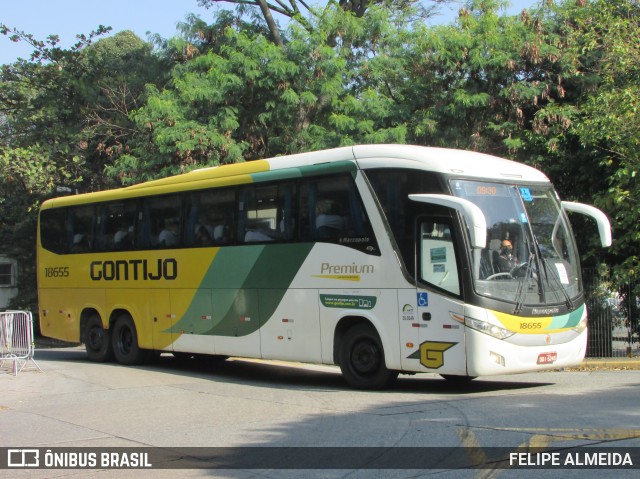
(329, 223)
(267, 213)
(165, 221)
(287, 211)
(332, 211)
(332, 208)
(116, 223)
(392, 187)
(53, 230)
(210, 218)
(81, 219)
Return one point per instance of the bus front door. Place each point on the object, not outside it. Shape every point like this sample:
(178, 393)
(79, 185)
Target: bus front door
(440, 310)
(441, 337)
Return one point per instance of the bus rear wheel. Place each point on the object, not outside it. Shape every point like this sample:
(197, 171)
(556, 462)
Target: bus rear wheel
(97, 340)
(125, 342)
(362, 361)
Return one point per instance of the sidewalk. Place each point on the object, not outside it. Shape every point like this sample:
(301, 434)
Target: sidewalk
(611, 363)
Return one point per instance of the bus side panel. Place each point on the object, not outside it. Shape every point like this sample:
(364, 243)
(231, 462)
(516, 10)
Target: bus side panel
(293, 331)
(442, 338)
(192, 332)
(236, 319)
(56, 319)
(431, 339)
(409, 324)
(61, 309)
(159, 314)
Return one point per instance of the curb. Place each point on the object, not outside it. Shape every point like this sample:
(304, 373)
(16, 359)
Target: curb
(611, 363)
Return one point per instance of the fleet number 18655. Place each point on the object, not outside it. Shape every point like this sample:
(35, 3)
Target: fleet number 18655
(57, 272)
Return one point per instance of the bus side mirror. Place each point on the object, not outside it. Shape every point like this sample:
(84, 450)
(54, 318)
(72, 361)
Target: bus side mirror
(472, 215)
(604, 227)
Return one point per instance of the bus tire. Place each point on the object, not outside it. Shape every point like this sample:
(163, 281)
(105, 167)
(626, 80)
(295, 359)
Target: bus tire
(124, 339)
(97, 340)
(362, 361)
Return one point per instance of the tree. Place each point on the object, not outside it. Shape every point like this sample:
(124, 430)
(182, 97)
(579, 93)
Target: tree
(242, 97)
(65, 115)
(605, 33)
(293, 11)
(36, 144)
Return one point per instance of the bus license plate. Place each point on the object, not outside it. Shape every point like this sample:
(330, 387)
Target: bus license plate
(547, 358)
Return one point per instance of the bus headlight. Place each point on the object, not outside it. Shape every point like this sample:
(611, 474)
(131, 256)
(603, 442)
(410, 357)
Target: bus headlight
(488, 328)
(581, 326)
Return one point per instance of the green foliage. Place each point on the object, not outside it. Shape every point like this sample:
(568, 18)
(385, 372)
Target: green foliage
(28, 176)
(606, 123)
(64, 115)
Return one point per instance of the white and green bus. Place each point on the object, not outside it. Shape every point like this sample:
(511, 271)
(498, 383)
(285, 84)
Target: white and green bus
(382, 259)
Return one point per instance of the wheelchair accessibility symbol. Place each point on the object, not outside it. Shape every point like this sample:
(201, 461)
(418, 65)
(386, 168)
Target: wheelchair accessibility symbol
(423, 299)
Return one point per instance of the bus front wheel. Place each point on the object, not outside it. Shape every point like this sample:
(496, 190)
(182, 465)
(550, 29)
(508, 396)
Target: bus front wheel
(125, 342)
(97, 340)
(362, 361)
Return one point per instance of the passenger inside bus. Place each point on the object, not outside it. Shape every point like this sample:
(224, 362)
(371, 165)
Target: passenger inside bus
(122, 237)
(170, 235)
(328, 222)
(258, 230)
(80, 243)
(203, 237)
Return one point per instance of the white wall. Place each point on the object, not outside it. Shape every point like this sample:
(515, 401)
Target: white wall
(8, 291)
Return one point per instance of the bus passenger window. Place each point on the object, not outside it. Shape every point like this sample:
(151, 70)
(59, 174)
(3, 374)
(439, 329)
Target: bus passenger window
(331, 211)
(164, 228)
(209, 218)
(329, 223)
(116, 226)
(267, 213)
(81, 218)
(53, 230)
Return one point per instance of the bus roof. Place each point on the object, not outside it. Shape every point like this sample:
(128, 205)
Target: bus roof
(442, 160)
(446, 161)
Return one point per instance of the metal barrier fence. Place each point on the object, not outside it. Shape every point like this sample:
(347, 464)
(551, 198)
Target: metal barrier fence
(614, 317)
(17, 345)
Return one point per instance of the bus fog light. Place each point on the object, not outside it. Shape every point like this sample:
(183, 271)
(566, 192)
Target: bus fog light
(488, 328)
(497, 358)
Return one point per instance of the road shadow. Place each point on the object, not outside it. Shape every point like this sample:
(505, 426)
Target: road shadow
(296, 376)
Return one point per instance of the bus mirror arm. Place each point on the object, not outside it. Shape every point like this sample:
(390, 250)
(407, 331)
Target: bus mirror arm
(604, 227)
(470, 212)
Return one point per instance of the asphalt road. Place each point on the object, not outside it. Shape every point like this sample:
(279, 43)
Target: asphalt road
(242, 404)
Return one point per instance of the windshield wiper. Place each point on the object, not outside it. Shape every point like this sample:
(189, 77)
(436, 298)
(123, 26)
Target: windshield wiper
(553, 275)
(521, 292)
(556, 278)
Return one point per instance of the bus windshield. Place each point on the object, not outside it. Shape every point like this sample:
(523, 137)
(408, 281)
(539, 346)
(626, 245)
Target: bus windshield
(530, 258)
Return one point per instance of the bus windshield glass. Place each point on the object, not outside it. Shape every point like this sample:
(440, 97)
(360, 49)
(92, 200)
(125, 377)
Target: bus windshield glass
(530, 258)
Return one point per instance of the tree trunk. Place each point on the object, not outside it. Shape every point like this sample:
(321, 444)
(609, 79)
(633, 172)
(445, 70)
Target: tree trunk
(273, 28)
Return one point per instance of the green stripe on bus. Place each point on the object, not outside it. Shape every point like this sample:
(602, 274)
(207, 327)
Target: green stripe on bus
(569, 320)
(305, 171)
(245, 285)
